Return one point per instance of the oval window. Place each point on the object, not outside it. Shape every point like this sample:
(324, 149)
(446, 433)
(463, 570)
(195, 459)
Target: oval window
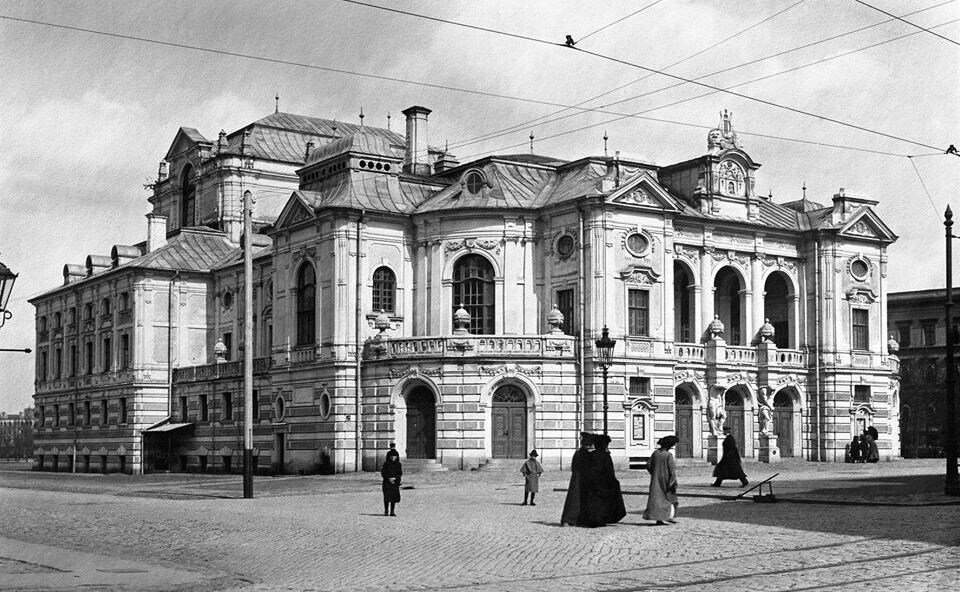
(474, 182)
(279, 408)
(637, 244)
(565, 246)
(227, 299)
(325, 405)
(859, 269)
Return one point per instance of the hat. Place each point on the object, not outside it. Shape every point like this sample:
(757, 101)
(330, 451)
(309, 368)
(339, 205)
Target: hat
(533, 453)
(668, 441)
(587, 437)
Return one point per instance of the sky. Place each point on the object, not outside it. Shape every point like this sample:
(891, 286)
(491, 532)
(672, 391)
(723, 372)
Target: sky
(87, 117)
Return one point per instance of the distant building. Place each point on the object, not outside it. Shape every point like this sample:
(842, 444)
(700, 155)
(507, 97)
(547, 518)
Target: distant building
(401, 296)
(916, 321)
(16, 435)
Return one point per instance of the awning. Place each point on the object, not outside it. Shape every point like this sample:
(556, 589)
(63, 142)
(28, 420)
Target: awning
(166, 427)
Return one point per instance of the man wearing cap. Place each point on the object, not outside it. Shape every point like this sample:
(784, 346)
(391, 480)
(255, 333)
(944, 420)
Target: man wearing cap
(531, 471)
(662, 499)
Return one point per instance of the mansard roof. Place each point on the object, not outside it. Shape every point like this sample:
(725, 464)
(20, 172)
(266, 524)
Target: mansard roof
(192, 249)
(359, 143)
(366, 191)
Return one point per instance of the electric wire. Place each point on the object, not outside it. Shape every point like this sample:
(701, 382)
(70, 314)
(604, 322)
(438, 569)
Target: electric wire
(638, 66)
(925, 190)
(619, 20)
(912, 24)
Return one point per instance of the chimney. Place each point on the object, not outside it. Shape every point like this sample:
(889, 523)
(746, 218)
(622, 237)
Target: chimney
(415, 161)
(156, 231)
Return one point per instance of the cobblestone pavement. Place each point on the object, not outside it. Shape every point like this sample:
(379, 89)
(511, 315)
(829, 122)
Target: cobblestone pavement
(467, 531)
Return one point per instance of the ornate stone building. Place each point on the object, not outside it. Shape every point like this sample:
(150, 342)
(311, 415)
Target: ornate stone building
(401, 296)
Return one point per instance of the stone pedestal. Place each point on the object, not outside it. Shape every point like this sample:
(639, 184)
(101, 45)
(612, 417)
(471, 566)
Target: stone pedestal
(714, 449)
(768, 452)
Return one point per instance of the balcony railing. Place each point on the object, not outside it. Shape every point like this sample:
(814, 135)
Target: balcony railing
(791, 357)
(221, 370)
(473, 345)
(689, 352)
(736, 354)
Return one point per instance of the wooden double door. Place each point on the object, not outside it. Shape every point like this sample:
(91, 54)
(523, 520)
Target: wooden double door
(509, 423)
(421, 424)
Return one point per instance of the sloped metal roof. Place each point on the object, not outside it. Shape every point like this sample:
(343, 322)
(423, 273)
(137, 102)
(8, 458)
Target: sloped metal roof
(367, 191)
(371, 144)
(193, 249)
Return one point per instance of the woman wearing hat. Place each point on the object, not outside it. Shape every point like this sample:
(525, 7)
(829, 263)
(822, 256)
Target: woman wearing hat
(531, 471)
(662, 500)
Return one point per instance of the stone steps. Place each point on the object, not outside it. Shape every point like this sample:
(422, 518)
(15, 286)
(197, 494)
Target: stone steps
(502, 465)
(422, 465)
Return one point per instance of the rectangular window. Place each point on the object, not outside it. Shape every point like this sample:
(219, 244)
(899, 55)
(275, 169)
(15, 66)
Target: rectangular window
(227, 414)
(638, 309)
(42, 325)
(103, 412)
(56, 416)
(228, 341)
(88, 356)
(73, 359)
(71, 415)
(106, 308)
(123, 411)
(929, 332)
(88, 311)
(903, 334)
(566, 307)
(204, 409)
(124, 301)
(71, 316)
(256, 406)
(57, 363)
(639, 387)
(183, 409)
(861, 393)
(861, 328)
(43, 416)
(57, 321)
(124, 351)
(107, 353)
(86, 413)
(43, 366)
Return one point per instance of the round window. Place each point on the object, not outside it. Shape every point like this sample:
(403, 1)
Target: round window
(227, 299)
(279, 408)
(474, 182)
(637, 244)
(565, 246)
(859, 269)
(325, 405)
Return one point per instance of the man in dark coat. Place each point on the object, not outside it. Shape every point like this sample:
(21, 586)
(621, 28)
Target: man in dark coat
(729, 466)
(605, 503)
(581, 482)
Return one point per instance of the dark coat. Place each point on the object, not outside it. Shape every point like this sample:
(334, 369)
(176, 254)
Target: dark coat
(729, 466)
(391, 491)
(605, 504)
(581, 481)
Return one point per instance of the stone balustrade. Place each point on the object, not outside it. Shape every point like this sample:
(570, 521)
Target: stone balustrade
(222, 370)
(561, 346)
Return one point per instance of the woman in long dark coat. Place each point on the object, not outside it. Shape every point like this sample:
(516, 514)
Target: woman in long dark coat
(391, 472)
(729, 466)
(581, 480)
(662, 499)
(605, 502)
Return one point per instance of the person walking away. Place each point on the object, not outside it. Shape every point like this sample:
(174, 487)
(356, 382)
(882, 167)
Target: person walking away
(662, 499)
(873, 454)
(855, 450)
(579, 480)
(729, 466)
(605, 502)
(864, 446)
(531, 471)
(391, 472)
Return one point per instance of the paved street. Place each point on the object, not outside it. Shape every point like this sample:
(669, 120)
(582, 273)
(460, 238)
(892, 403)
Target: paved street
(840, 527)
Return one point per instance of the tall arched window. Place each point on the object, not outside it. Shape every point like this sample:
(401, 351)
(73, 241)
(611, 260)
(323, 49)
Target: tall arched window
(473, 288)
(384, 290)
(188, 197)
(306, 305)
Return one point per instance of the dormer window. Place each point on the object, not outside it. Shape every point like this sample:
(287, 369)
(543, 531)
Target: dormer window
(473, 181)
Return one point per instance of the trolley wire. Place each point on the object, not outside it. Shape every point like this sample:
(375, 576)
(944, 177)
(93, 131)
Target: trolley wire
(912, 24)
(619, 20)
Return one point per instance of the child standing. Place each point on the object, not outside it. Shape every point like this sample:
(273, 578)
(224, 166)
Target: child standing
(531, 471)
(391, 472)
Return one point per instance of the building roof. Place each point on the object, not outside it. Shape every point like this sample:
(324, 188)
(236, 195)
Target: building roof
(362, 143)
(192, 249)
(378, 192)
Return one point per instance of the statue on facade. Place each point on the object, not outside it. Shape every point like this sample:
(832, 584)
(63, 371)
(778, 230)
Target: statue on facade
(765, 417)
(716, 415)
(723, 137)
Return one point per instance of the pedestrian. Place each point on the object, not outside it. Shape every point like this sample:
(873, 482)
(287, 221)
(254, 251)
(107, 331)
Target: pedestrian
(855, 450)
(872, 430)
(391, 472)
(729, 466)
(605, 502)
(580, 480)
(873, 454)
(531, 471)
(864, 446)
(662, 499)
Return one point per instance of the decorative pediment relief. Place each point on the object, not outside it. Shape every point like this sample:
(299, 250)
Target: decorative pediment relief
(296, 211)
(472, 243)
(509, 370)
(416, 371)
(868, 225)
(778, 262)
(643, 191)
(862, 296)
(643, 276)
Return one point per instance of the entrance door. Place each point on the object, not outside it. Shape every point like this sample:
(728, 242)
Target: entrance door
(509, 418)
(279, 444)
(735, 417)
(783, 423)
(421, 424)
(684, 421)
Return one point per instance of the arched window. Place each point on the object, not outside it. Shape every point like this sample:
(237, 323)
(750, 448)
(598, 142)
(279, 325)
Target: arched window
(188, 197)
(473, 288)
(384, 290)
(306, 305)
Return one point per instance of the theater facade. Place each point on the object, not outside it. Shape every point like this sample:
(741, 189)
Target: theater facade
(401, 296)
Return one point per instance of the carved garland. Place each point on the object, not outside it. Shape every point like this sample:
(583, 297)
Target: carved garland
(472, 243)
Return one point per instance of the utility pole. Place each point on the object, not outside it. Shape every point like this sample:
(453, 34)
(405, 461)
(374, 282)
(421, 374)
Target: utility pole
(247, 345)
(952, 485)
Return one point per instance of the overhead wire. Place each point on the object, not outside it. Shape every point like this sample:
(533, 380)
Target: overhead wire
(925, 190)
(619, 20)
(912, 24)
(628, 63)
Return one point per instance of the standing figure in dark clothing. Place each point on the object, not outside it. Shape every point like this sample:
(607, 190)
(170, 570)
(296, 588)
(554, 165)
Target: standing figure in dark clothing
(872, 430)
(581, 479)
(605, 504)
(873, 454)
(864, 446)
(729, 466)
(391, 473)
(855, 450)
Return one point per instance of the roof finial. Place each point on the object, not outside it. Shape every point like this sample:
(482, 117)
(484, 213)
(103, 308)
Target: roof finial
(334, 128)
(605, 138)
(361, 116)
(531, 141)
(276, 106)
(388, 121)
(446, 146)
(804, 189)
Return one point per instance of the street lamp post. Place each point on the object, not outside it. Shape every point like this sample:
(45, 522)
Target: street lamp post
(605, 350)
(7, 279)
(952, 485)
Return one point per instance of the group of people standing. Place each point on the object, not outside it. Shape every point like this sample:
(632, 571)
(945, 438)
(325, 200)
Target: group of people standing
(863, 448)
(593, 497)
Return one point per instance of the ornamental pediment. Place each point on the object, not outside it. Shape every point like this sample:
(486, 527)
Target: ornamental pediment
(867, 225)
(296, 211)
(643, 276)
(643, 191)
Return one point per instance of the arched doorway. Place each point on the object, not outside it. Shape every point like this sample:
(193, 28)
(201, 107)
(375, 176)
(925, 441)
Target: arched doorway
(683, 416)
(733, 400)
(729, 304)
(778, 307)
(509, 423)
(783, 422)
(421, 424)
(683, 304)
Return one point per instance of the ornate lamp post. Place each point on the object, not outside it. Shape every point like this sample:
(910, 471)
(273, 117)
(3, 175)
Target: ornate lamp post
(7, 279)
(605, 352)
(952, 485)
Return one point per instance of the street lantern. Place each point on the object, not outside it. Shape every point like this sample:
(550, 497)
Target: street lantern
(7, 278)
(605, 352)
